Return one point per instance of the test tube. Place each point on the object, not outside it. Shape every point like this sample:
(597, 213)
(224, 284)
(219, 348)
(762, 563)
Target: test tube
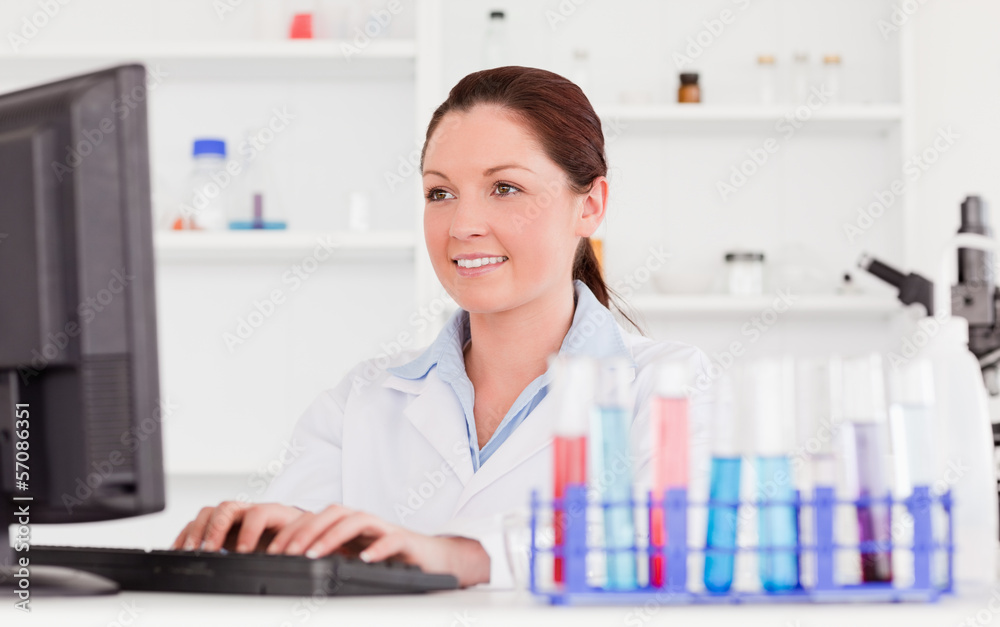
(771, 404)
(865, 418)
(573, 392)
(910, 420)
(724, 488)
(669, 430)
(614, 472)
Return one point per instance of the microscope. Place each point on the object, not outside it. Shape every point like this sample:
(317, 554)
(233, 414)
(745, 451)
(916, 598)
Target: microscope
(975, 297)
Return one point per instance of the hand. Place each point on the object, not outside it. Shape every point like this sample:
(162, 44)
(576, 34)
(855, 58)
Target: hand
(210, 529)
(338, 527)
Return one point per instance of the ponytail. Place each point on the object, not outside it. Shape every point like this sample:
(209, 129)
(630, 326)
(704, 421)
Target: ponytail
(586, 268)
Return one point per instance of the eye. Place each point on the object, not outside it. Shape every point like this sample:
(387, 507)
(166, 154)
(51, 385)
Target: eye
(505, 189)
(437, 194)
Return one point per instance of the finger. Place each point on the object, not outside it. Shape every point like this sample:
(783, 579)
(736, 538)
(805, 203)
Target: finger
(224, 516)
(258, 518)
(281, 540)
(303, 536)
(181, 537)
(348, 528)
(385, 547)
(196, 529)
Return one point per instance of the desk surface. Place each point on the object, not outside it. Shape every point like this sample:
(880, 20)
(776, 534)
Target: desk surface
(470, 608)
(467, 608)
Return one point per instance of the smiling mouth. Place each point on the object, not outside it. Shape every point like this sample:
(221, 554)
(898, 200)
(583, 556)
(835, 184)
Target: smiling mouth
(478, 263)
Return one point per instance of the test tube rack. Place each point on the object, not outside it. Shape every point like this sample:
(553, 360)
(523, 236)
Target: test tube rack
(571, 512)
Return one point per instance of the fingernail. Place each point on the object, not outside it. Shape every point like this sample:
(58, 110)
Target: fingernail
(271, 550)
(242, 548)
(204, 544)
(189, 545)
(365, 556)
(312, 554)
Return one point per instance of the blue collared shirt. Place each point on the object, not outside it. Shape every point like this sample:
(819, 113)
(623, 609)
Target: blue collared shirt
(593, 333)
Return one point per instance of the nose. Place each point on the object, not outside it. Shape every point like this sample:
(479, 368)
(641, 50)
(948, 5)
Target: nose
(469, 220)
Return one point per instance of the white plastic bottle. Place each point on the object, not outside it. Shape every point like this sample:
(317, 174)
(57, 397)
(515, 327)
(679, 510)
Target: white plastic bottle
(963, 431)
(210, 186)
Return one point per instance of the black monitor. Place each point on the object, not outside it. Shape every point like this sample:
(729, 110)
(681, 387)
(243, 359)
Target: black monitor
(79, 381)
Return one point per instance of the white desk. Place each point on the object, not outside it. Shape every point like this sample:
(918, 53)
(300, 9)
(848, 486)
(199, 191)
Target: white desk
(468, 608)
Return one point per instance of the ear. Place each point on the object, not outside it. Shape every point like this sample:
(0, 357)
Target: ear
(593, 208)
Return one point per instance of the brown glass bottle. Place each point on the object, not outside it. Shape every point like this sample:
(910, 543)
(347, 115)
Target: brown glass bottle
(689, 90)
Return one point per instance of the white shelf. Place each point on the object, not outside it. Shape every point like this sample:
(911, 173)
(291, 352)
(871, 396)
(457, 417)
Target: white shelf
(289, 59)
(750, 117)
(725, 305)
(269, 245)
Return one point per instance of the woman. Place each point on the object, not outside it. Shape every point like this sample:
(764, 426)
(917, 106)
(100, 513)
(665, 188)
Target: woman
(421, 461)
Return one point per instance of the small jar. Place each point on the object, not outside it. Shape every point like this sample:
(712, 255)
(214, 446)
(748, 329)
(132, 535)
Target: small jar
(800, 77)
(745, 272)
(689, 90)
(767, 71)
(833, 78)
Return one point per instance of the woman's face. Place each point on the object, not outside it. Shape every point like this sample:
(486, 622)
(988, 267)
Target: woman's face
(500, 220)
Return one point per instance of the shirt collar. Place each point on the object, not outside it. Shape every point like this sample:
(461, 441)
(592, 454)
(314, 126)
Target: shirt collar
(593, 333)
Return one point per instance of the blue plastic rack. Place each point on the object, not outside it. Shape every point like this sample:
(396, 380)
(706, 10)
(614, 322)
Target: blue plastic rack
(575, 590)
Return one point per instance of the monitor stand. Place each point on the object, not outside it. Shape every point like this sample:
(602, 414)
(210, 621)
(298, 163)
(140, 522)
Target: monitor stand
(41, 581)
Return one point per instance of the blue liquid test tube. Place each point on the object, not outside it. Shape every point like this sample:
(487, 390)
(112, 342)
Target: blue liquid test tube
(724, 487)
(772, 405)
(614, 473)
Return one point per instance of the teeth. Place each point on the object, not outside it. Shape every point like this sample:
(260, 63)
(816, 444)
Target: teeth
(482, 261)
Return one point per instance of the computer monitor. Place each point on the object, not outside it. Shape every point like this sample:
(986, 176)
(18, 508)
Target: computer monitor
(79, 381)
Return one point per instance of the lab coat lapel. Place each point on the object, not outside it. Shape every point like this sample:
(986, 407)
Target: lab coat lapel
(436, 413)
(530, 437)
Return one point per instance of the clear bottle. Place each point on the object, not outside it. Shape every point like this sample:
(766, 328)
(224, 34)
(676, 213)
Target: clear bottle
(767, 79)
(800, 77)
(581, 69)
(208, 202)
(833, 75)
(495, 46)
(772, 404)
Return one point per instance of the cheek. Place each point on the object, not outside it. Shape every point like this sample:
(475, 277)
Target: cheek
(435, 231)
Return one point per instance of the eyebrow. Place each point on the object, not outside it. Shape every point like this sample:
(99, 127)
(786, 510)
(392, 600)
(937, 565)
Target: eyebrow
(486, 172)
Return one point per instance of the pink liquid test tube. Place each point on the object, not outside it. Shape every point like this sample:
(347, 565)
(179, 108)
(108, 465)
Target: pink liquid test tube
(669, 436)
(574, 382)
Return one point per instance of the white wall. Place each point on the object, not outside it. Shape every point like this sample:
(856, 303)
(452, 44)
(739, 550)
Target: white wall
(233, 410)
(957, 83)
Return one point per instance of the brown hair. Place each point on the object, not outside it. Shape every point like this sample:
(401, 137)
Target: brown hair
(560, 116)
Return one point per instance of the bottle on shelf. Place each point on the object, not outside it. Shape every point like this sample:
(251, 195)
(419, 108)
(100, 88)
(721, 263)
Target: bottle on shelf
(767, 79)
(580, 73)
(833, 78)
(689, 91)
(800, 77)
(207, 203)
(495, 45)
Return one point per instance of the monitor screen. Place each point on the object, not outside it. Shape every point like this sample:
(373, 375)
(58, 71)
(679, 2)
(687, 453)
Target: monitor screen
(79, 384)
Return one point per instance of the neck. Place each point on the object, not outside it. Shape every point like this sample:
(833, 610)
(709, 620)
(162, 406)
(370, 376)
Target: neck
(513, 345)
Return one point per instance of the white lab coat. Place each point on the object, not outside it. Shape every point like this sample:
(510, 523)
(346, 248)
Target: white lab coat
(399, 448)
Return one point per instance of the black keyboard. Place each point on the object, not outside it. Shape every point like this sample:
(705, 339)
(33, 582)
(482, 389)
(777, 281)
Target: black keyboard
(242, 573)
